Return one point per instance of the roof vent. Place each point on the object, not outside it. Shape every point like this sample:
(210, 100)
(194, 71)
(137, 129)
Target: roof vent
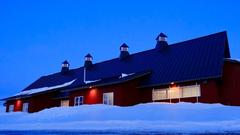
(88, 61)
(161, 41)
(124, 51)
(65, 67)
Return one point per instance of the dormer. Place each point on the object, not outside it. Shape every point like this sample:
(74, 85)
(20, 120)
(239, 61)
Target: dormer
(88, 61)
(65, 67)
(161, 41)
(124, 51)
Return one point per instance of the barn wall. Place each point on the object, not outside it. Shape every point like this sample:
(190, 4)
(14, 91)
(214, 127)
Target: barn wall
(226, 91)
(36, 103)
(230, 88)
(43, 101)
(209, 93)
(124, 94)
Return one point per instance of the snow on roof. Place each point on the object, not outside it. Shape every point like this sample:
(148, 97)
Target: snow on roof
(37, 90)
(238, 60)
(125, 75)
(91, 81)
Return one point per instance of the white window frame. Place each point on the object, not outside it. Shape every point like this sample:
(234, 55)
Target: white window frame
(108, 101)
(79, 100)
(25, 107)
(11, 108)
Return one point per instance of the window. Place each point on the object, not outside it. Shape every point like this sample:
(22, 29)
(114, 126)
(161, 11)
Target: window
(159, 94)
(176, 92)
(78, 101)
(108, 98)
(64, 102)
(191, 91)
(25, 107)
(11, 108)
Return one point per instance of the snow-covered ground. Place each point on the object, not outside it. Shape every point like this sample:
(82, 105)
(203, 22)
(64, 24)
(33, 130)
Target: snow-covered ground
(181, 117)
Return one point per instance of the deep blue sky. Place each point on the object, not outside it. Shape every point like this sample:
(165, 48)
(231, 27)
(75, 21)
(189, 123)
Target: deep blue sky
(36, 36)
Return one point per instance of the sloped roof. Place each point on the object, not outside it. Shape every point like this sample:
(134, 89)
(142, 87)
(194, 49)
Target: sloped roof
(200, 58)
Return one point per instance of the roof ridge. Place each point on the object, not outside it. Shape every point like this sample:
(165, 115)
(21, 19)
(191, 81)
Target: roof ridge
(222, 32)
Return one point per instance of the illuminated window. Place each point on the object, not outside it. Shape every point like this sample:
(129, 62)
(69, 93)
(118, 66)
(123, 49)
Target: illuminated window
(64, 102)
(11, 108)
(191, 91)
(176, 92)
(65, 65)
(25, 107)
(78, 101)
(124, 48)
(159, 94)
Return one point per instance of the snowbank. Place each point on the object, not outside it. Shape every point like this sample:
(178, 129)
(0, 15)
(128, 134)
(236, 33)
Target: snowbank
(181, 117)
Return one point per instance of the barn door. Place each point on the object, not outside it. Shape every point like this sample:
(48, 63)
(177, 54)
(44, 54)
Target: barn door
(108, 98)
(25, 107)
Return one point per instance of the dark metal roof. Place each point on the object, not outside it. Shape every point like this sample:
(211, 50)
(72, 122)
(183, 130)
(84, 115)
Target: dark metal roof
(195, 59)
(65, 62)
(124, 45)
(88, 55)
(108, 81)
(161, 35)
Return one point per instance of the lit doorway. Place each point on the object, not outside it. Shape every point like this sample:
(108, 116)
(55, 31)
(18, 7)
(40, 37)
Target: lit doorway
(64, 102)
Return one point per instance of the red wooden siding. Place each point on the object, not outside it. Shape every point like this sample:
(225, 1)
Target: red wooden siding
(230, 87)
(124, 94)
(36, 103)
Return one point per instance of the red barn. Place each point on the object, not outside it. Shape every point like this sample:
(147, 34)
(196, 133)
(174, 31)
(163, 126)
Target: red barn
(197, 70)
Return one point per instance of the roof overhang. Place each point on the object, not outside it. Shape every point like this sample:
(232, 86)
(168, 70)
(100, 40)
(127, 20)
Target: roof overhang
(232, 60)
(179, 82)
(107, 83)
(94, 84)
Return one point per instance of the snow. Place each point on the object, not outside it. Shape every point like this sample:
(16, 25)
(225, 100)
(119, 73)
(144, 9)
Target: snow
(125, 75)
(32, 91)
(92, 81)
(165, 117)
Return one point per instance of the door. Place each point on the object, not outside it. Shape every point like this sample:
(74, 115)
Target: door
(108, 98)
(64, 102)
(25, 107)
(11, 108)
(78, 101)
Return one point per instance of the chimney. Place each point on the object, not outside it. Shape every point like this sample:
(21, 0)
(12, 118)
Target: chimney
(124, 51)
(161, 41)
(88, 61)
(65, 67)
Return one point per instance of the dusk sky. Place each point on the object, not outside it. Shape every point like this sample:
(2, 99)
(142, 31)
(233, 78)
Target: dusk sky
(37, 36)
